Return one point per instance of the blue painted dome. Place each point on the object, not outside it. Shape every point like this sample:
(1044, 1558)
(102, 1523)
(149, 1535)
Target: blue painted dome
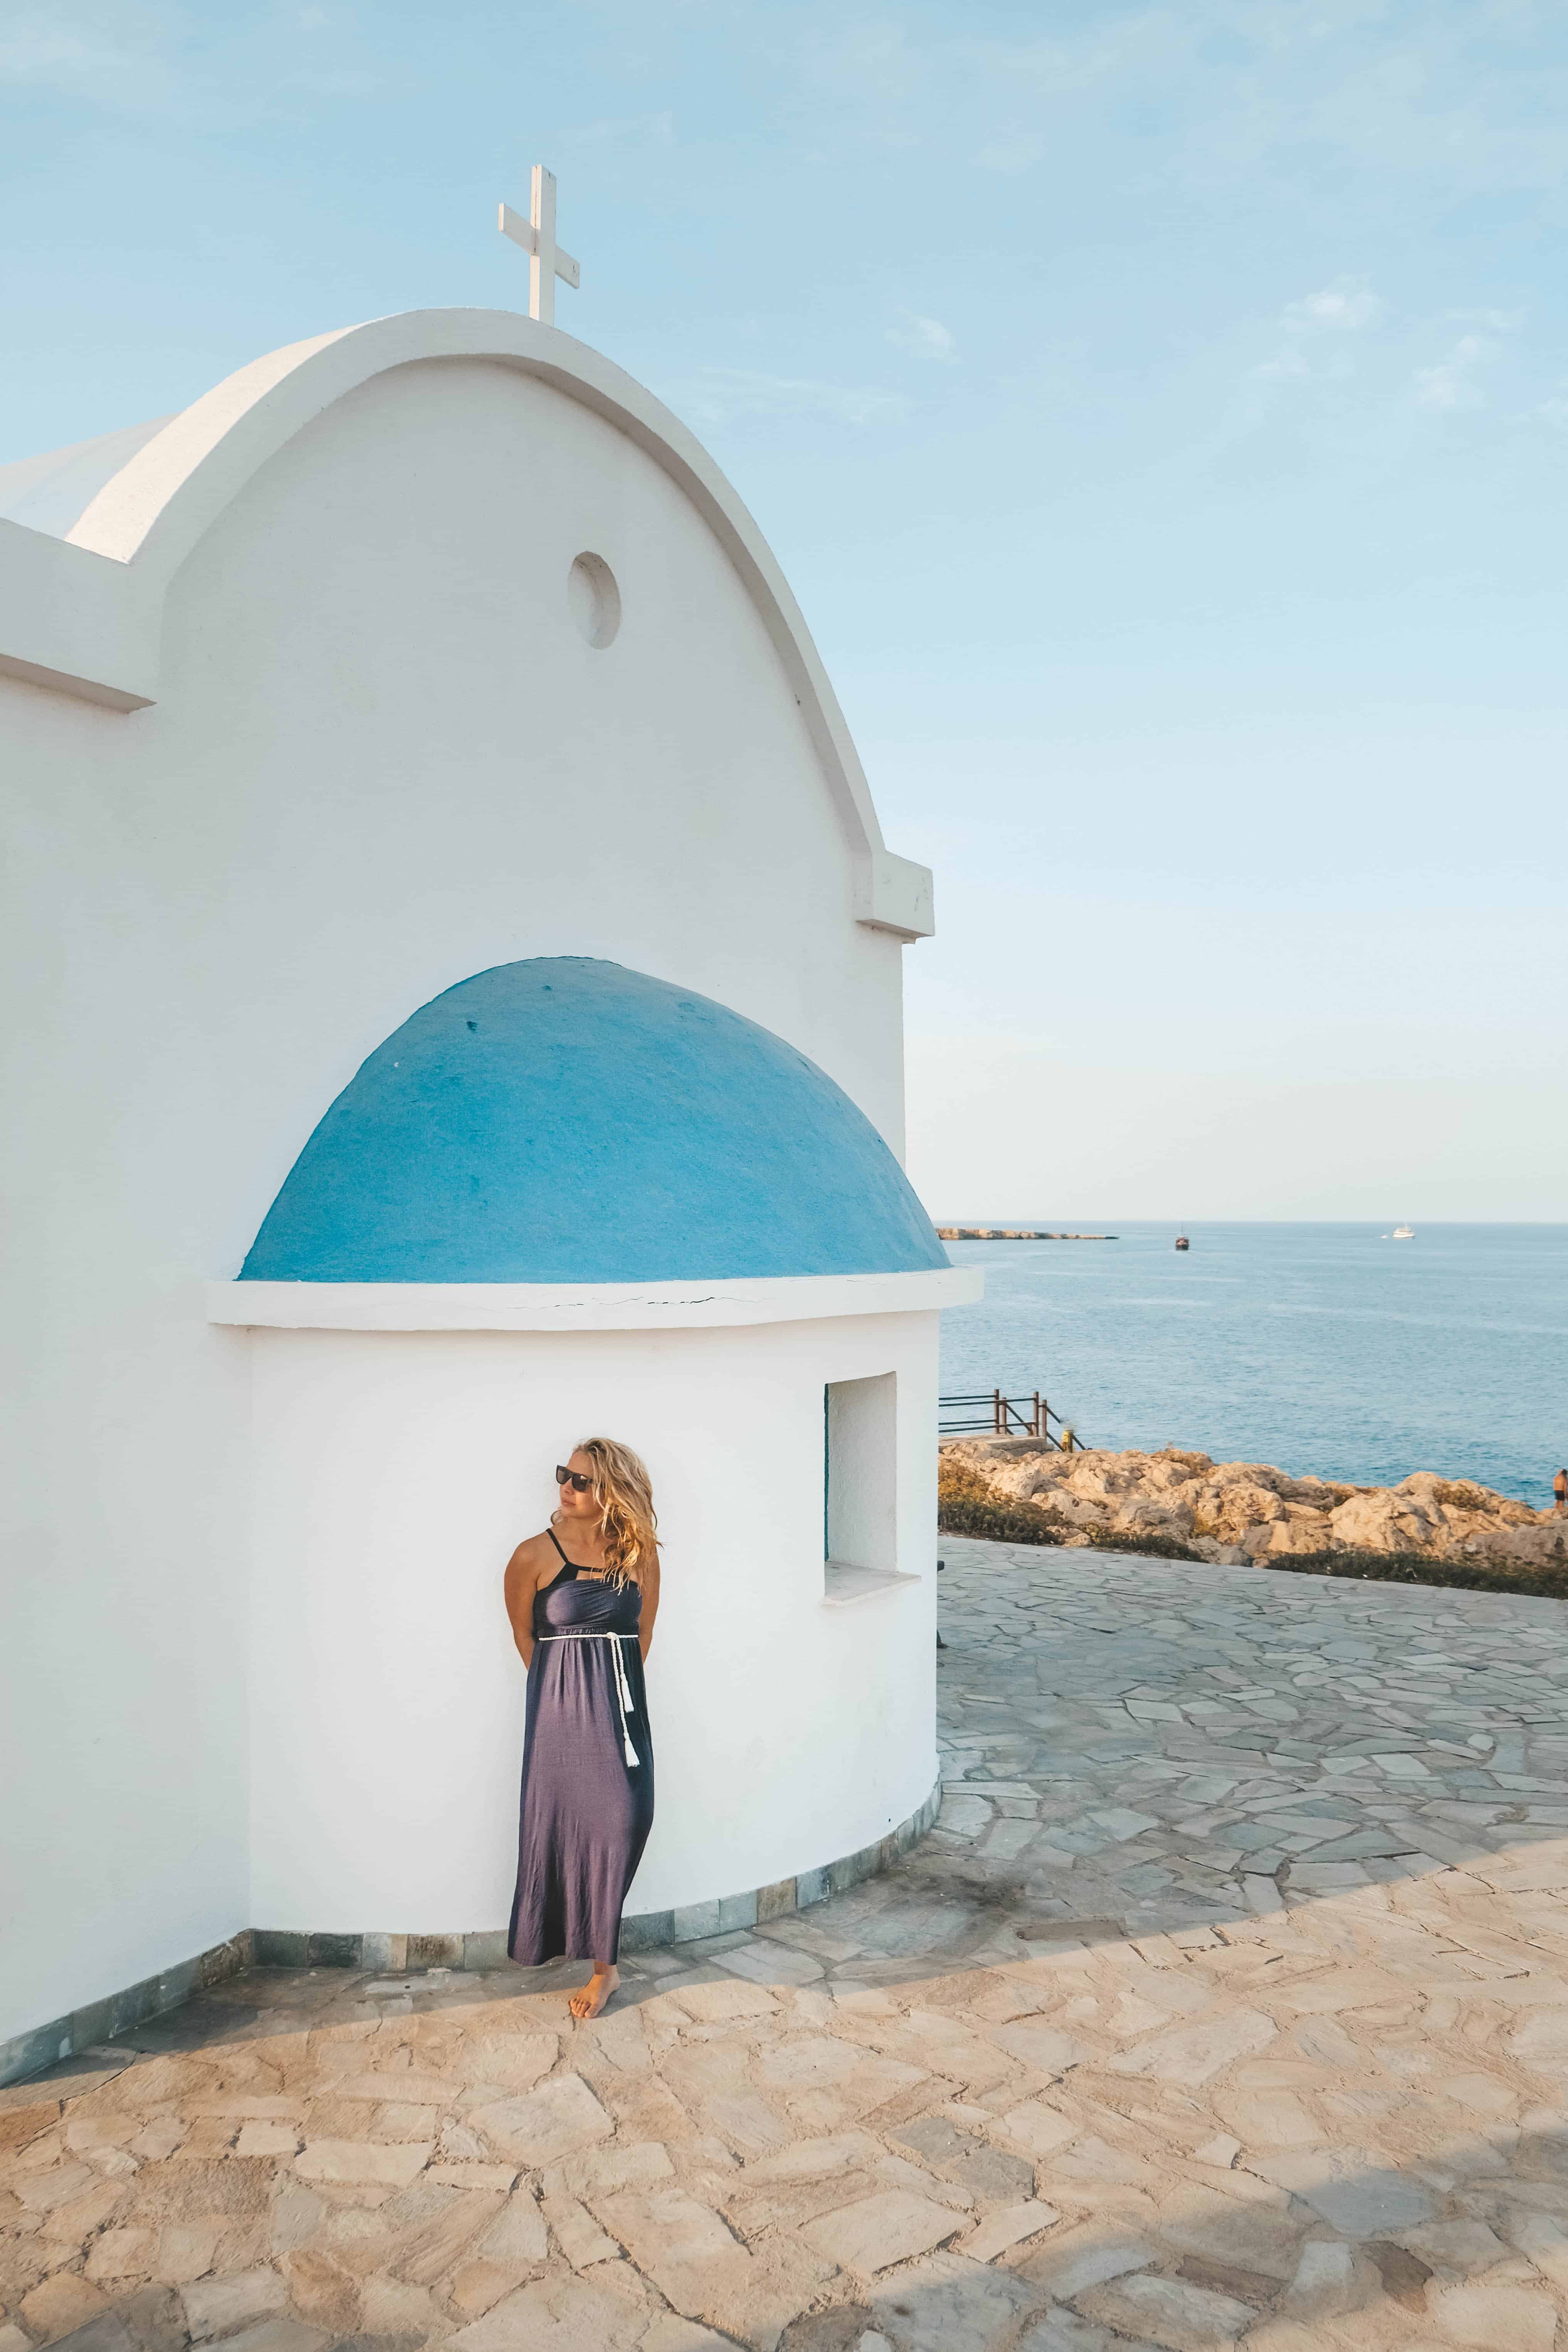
(567, 1120)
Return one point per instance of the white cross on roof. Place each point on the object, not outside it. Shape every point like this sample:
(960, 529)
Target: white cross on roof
(536, 235)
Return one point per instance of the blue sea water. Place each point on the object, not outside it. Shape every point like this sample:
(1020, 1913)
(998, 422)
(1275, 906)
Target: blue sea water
(1329, 1348)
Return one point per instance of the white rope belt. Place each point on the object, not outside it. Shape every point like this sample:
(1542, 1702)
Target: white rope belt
(623, 1688)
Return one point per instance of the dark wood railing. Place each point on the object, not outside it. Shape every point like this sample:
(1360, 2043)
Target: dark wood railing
(996, 1415)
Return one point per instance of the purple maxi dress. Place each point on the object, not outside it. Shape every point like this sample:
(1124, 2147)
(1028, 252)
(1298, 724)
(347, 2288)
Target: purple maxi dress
(586, 1810)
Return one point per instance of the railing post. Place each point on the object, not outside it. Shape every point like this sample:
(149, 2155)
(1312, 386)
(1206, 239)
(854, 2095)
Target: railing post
(996, 1420)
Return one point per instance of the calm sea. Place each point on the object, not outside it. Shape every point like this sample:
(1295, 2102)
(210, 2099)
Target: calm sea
(1329, 1349)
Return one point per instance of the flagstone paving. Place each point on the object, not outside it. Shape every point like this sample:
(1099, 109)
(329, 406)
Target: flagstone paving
(1227, 2003)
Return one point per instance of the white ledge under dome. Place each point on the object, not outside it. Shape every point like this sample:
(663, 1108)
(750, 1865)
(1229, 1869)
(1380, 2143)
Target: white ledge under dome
(582, 1307)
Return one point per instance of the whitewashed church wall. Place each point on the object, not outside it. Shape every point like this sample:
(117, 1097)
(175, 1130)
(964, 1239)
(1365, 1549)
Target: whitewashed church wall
(384, 760)
(387, 1700)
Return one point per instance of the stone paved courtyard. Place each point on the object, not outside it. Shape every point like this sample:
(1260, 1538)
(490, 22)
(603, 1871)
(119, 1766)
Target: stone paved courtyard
(1228, 2002)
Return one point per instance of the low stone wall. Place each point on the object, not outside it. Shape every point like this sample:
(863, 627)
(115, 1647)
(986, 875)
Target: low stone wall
(1238, 1511)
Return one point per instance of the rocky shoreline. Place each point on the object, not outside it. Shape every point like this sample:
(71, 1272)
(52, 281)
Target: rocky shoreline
(1235, 1512)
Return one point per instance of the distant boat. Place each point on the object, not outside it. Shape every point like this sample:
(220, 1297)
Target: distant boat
(1182, 1242)
(1402, 1234)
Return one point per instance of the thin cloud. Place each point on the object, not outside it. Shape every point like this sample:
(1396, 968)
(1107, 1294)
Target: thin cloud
(717, 397)
(927, 338)
(1343, 308)
(1312, 332)
(1451, 382)
(48, 51)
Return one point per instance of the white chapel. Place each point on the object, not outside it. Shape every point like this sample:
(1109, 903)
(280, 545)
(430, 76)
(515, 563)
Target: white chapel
(456, 1009)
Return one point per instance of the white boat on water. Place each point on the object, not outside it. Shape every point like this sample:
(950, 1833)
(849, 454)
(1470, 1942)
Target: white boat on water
(1402, 1234)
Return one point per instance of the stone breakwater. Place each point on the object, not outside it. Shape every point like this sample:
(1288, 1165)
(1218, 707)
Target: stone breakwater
(1234, 1512)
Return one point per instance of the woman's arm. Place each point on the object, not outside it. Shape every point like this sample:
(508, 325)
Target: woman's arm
(522, 1579)
(649, 1607)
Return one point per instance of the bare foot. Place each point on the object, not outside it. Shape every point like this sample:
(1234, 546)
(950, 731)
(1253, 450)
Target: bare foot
(590, 1998)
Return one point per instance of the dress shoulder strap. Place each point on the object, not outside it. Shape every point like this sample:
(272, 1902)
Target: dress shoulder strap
(556, 1541)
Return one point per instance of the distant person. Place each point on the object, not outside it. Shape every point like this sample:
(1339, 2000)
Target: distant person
(1560, 1492)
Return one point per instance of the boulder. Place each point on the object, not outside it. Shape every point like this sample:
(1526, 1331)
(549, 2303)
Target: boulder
(1233, 1511)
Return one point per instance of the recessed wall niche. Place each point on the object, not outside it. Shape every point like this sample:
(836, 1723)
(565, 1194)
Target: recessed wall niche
(593, 599)
(860, 1487)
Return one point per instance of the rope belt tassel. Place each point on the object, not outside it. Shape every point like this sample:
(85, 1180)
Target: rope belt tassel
(623, 1700)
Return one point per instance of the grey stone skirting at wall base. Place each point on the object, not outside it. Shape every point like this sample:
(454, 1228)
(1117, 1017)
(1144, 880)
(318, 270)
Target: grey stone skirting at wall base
(643, 1931)
(117, 2013)
(279, 1948)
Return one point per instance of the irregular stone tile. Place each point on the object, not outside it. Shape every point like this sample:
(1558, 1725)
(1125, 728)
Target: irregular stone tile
(122, 2254)
(1544, 2241)
(1193, 2055)
(1169, 2312)
(577, 2233)
(277, 2336)
(295, 2216)
(421, 2244)
(478, 2285)
(1353, 2192)
(770, 1963)
(60, 2304)
(948, 2303)
(827, 2081)
(1257, 2235)
(517, 2234)
(874, 2233)
(266, 2140)
(1084, 2257)
(1038, 2129)
(394, 2163)
(1324, 2283)
(959, 2155)
(555, 2314)
(186, 2250)
(516, 2061)
(1270, 2120)
(1008, 2227)
(1494, 2318)
(390, 2306)
(217, 2306)
(322, 2290)
(669, 2333)
(405, 2085)
(723, 2003)
(473, 2176)
(1039, 2046)
(696, 2263)
(562, 2116)
(42, 2192)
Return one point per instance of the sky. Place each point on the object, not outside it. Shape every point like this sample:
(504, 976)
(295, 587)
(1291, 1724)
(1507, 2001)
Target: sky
(1159, 411)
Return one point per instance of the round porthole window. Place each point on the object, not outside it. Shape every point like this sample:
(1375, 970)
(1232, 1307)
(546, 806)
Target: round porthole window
(594, 599)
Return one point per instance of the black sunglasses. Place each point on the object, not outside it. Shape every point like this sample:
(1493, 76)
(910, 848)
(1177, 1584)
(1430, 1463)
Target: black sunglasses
(574, 1478)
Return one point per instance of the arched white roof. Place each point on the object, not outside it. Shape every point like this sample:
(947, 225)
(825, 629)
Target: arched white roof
(83, 614)
(52, 493)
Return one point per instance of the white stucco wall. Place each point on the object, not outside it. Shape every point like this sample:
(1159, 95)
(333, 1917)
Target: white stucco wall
(400, 1471)
(381, 759)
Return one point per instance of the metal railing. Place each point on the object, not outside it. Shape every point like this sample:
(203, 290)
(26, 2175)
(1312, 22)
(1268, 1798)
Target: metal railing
(996, 1415)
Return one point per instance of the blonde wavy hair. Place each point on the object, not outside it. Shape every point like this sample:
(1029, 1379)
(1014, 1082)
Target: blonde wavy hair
(623, 1494)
